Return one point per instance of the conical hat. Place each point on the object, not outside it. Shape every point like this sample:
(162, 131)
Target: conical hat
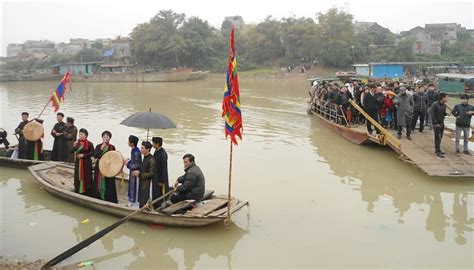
(33, 131)
(111, 164)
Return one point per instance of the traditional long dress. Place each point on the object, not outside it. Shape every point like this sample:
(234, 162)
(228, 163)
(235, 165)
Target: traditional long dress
(104, 187)
(34, 149)
(160, 182)
(147, 172)
(83, 168)
(71, 136)
(133, 164)
(21, 140)
(60, 143)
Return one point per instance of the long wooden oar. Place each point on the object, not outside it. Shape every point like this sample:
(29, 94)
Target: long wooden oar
(68, 253)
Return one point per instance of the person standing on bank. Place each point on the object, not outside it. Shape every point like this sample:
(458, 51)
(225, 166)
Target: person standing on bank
(420, 98)
(191, 185)
(404, 105)
(438, 112)
(146, 173)
(133, 164)
(59, 152)
(83, 149)
(432, 97)
(21, 138)
(371, 107)
(71, 136)
(160, 182)
(463, 113)
(104, 188)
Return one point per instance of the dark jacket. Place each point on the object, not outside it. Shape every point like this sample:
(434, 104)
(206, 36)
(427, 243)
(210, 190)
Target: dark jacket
(421, 102)
(380, 98)
(332, 96)
(370, 102)
(193, 183)
(161, 158)
(432, 97)
(462, 118)
(437, 113)
(338, 99)
(148, 168)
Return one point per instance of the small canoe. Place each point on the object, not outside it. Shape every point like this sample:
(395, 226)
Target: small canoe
(57, 179)
(6, 161)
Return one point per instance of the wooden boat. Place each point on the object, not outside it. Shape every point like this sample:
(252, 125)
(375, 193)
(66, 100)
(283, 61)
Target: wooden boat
(329, 116)
(455, 84)
(19, 163)
(57, 179)
(198, 75)
(175, 75)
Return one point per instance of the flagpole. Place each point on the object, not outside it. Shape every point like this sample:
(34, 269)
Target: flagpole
(44, 108)
(228, 220)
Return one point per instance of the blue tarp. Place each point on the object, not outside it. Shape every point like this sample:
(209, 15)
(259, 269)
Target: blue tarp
(108, 53)
(387, 71)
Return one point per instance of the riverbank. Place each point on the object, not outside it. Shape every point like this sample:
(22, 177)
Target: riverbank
(6, 263)
(278, 74)
(259, 73)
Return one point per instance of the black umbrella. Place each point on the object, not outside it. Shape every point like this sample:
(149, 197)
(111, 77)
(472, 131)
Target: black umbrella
(148, 120)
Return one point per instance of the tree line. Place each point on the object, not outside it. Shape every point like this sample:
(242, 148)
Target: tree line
(171, 39)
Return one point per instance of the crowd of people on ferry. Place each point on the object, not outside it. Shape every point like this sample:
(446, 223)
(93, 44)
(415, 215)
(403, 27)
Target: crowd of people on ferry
(148, 173)
(394, 106)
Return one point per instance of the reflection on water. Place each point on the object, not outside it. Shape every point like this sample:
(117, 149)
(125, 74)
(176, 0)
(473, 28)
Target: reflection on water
(405, 186)
(316, 199)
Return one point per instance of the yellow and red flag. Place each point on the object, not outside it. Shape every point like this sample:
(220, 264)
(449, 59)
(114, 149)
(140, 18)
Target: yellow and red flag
(231, 101)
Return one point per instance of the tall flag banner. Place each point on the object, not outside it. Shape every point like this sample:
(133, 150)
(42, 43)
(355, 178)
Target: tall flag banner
(231, 101)
(58, 94)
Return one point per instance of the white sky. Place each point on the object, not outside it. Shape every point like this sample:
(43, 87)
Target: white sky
(60, 20)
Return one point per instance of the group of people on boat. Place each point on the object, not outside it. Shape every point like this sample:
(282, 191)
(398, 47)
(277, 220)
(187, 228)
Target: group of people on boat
(395, 106)
(63, 134)
(148, 173)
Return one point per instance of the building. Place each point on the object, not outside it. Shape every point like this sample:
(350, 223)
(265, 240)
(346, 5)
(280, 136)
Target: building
(392, 70)
(14, 50)
(39, 47)
(424, 43)
(370, 27)
(121, 47)
(236, 21)
(86, 68)
(61, 47)
(115, 68)
(362, 69)
(73, 49)
(446, 32)
(470, 32)
(386, 70)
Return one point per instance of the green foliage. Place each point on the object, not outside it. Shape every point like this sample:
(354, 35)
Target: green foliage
(200, 42)
(97, 46)
(461, 51)
(159, 42)
(336, 37)
(171, 39)
(87, 55)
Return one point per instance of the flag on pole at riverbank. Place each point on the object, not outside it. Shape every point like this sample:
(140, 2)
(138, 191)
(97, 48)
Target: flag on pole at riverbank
(58, 94)
(231, 101)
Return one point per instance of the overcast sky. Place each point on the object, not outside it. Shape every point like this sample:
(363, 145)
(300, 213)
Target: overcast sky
(60, 21)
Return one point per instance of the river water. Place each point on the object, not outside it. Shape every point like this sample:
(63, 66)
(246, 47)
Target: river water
(316, 200)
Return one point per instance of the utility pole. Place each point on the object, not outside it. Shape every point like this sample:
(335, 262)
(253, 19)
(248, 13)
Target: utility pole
(353, 55)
